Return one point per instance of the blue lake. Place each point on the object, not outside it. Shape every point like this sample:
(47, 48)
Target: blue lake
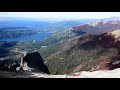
(39, 37)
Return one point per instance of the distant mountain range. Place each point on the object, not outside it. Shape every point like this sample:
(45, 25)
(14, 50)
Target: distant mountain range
(48, 22)
(111, 19)
(98, 27)
(41, 22)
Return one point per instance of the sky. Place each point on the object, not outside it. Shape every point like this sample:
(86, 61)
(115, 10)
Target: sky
(75, 15)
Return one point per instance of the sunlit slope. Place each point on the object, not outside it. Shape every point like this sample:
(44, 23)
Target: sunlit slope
(116, 32)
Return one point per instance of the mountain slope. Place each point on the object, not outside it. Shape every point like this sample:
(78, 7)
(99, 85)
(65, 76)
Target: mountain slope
(83, 53)
(116, 32)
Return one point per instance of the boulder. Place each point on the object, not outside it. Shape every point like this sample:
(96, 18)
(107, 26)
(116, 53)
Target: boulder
(33, 62)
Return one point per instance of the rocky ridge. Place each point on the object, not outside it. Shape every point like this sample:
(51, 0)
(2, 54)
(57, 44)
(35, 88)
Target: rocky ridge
(30, 62)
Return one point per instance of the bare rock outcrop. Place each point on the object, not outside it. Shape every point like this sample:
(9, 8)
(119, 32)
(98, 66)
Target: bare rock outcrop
(29, 62)
(33, 62)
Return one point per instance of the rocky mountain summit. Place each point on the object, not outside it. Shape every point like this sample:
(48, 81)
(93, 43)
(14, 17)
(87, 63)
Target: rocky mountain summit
(30, 62)
(33, 62)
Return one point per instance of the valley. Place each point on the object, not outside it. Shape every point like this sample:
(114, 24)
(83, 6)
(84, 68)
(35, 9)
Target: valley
(61, 49)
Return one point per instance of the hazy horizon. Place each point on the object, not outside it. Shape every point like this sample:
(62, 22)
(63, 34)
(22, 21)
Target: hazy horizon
(61, 15)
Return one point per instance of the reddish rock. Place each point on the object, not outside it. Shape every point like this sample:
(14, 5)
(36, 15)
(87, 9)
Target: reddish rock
(98, 27)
